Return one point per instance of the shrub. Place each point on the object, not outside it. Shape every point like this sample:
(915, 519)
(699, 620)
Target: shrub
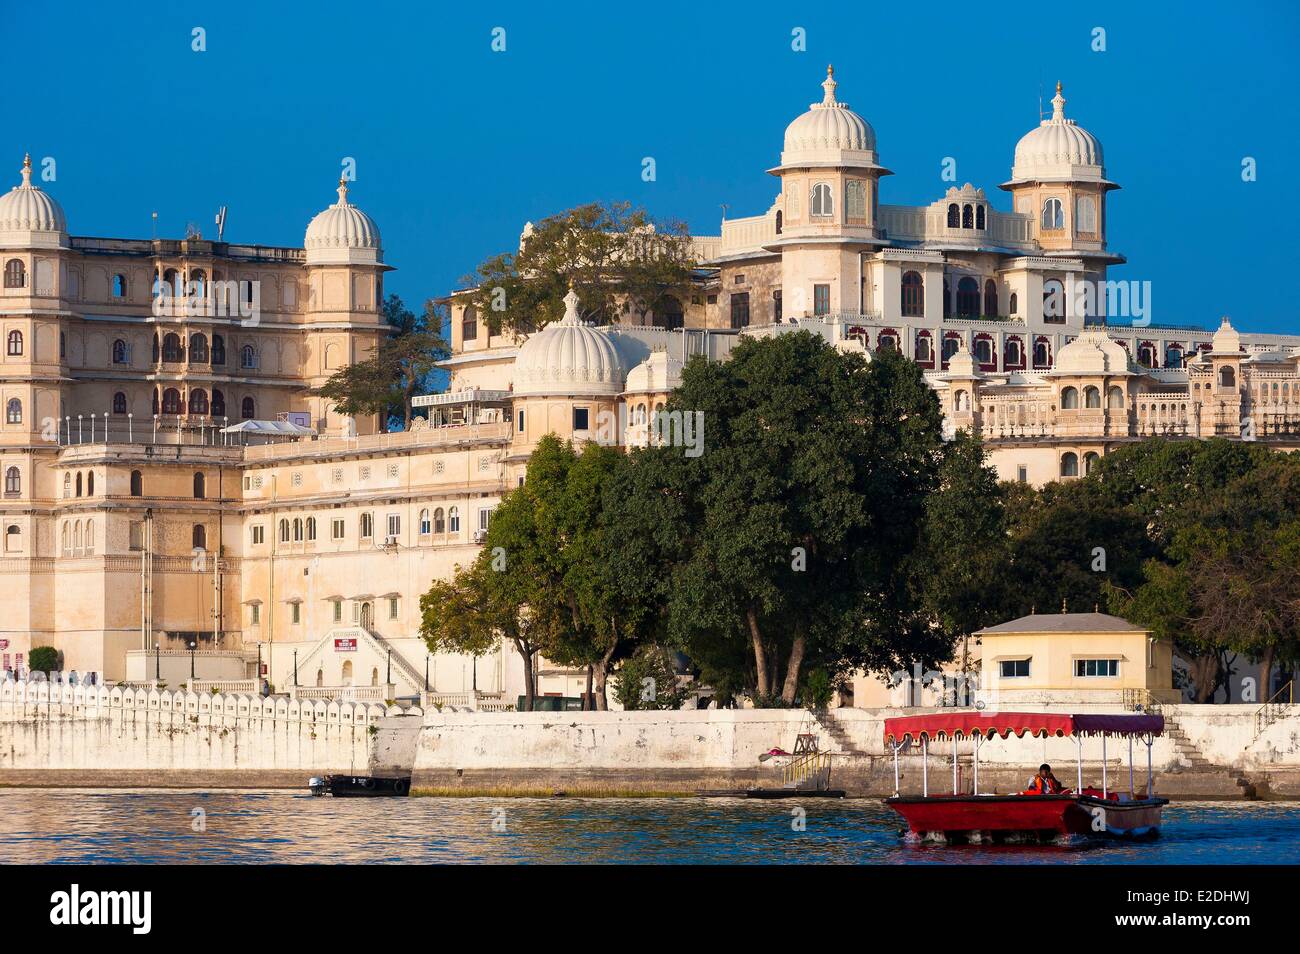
(43, 659)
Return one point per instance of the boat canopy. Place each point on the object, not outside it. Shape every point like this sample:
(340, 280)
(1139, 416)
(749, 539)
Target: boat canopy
(969, 724)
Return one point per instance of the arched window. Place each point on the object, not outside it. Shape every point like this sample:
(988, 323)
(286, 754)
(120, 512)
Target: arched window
(198, 401)
(1227, 378)
(469, 324)
(199, 537)
(1090, 461)
(780, 220)
(967, 217)
(171, 401)
(90, 537)
(247, 410)
(79, 483)
(1091, 397)
(67, 485)
(247, 357)
(137, 484)
(968, 298)
(155, 402)
(367, 525)
(453, 520)
(284, 531)
(1012, 357)
(991, 298)
(439, 522)
(951, 343)
(198, 281)
(297, 529)
(13, 538)
(172, 350)
(1085, 214)
(913, 295)
(90, 483)
(1174, 356)
(218, 404)
(887, 341)
(1069, 464)
(1069, 399)
(979, 217)
(983, 349)
(1042, 354)
(822, 206)
(155, 348)
(218, 349)
(119, 352)
(425, 525)
(961, 401)
(14, 411)
(13, 481)
(1053, 302)
(1053, 214)
(66, 546)
(119, 286)
(15, 342)
(15, 274)
(954, 216)
(923, 353)
(1147, 354)
(172, 282)
(1115, 398)
(1015, 304)
(311, 528)
(199, 349)
(200, 485)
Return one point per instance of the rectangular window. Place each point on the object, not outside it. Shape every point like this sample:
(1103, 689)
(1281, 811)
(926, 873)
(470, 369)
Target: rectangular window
(338, 610)
(295, 613)
(712, 299)
(256, 613)
(1096, 667)
(392, 608)
(1022, 474)
(776, 306)
(336, 530)
(259, 535)
(137, 535)
(740, 310)
(740, 279)
(484, 518)
(394, 524)
(855, 199)
(581, 418)
(1014, 668)
(521, 422)
(821, 299)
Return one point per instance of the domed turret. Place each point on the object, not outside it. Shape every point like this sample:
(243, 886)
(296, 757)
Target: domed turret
(1093, 352)
(30, 217)
(829, 134)
(343, 234)
(569, 357)
(1059, 150)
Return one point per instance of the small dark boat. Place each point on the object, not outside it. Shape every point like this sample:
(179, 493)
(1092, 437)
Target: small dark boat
(360, 786)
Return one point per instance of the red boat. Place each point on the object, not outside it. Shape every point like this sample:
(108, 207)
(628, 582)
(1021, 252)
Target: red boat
(1085, 812)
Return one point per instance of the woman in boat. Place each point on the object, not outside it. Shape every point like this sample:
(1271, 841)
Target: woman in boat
(1044, 783)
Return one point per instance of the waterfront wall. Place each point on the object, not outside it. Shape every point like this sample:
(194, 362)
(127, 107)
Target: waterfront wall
(94, 735)
(1213, 752)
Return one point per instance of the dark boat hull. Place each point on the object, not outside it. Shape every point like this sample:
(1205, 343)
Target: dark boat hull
(362, 786)
(981, 817)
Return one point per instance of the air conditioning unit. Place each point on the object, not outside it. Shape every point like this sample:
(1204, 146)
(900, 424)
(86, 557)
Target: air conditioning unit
(480, 536)
(390, 541)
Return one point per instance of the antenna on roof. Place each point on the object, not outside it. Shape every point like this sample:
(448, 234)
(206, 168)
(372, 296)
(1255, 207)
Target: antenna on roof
(1040, 101)
(1063, 609)
(221, 222)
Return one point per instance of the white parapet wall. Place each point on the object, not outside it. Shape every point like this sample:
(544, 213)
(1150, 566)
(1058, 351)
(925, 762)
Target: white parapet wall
(93, 730)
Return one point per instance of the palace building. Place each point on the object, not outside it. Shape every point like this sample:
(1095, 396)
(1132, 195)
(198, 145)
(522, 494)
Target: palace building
(177, 501)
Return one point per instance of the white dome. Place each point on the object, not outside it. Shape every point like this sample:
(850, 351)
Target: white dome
(1093, 352)
(657, 374)
(343, 233)
(1057, 149)
(569, 357)
(30, 216)
(828, 129)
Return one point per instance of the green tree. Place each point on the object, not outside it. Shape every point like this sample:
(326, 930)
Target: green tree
(647, 680)
(400, 366)
(43, 659)
(798, 518)
(610, 253)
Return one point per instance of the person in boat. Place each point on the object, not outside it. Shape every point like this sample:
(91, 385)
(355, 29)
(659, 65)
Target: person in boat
(1044, 783)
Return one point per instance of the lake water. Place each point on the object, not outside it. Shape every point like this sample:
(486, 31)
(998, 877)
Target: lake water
(251, 827)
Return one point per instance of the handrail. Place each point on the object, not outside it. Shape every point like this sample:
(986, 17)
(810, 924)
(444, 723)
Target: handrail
(1270, 711)
(814, 764)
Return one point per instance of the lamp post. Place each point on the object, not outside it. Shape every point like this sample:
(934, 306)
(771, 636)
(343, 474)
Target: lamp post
(388, 675)
(259, 665)
(295, 667)
(157, 661)
(193, 646)
(426, 672)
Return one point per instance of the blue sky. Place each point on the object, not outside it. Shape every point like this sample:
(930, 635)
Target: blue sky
(456, 146)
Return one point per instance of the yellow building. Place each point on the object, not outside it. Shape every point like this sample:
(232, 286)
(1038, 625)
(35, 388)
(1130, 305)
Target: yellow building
(1068, 658)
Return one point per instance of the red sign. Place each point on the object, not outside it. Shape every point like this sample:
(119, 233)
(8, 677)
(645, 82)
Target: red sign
(342, 645)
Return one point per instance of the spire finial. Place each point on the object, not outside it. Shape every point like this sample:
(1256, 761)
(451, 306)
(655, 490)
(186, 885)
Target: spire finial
(571, 308)
(27, 169)
(343, 190)
(1063, 609)
(829, 85)
(1058, 105)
